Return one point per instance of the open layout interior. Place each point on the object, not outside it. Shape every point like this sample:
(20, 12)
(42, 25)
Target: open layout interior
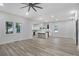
(39, 29)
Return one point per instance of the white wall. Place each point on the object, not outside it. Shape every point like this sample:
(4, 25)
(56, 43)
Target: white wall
(66, 29)
(26, 29)
(78, 26)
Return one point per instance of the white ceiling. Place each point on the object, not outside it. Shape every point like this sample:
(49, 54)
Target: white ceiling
(60, 11)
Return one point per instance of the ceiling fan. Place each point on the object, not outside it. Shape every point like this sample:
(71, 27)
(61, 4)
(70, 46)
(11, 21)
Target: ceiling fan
(31, 5)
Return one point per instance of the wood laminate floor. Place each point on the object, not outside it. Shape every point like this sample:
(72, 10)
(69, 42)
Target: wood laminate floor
(40, 47)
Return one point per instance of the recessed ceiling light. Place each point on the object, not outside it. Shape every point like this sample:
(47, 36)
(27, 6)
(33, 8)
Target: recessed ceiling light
(40, 18)
(56, 19)
(56, 31)
(27, 13)
(72, 12)
(1, 4)
(52, 16)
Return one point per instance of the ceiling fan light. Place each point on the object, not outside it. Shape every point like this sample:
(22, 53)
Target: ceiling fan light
(27, 13)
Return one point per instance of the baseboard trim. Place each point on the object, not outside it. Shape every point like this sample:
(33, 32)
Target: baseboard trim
(13, 41)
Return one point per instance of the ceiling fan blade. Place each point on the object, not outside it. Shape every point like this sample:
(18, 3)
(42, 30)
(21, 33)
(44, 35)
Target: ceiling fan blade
(29, 9)
(31, 5)
(36, 3)
(23, 7)
(34, 9)
(38, 7)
